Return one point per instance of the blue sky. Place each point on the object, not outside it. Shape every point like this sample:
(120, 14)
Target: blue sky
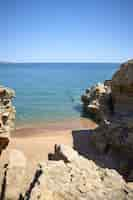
(66, 30)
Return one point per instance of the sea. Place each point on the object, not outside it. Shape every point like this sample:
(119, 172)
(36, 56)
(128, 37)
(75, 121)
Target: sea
(47, 92)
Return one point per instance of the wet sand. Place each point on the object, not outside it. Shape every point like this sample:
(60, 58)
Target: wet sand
(44, 128)
(37, 141)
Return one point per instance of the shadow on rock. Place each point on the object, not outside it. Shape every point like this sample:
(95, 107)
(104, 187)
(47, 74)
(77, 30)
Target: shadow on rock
(80, 109)
(82, 142)
(4, 184)
(27, 195)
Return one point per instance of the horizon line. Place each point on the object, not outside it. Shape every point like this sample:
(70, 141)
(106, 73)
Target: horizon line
(23, 62)
(65, 61)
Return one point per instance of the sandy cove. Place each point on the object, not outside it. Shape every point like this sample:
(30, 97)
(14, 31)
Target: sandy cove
(37, 142)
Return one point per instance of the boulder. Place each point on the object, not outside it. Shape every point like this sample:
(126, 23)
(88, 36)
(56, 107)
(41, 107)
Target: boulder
(63, 152)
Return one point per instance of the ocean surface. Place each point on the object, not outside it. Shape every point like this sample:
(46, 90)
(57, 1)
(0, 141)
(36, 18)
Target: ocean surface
(51, 91)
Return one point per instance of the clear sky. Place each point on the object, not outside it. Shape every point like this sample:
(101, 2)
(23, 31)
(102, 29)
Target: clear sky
(66, 30)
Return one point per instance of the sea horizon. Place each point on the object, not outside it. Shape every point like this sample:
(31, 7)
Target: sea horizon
(60, 62)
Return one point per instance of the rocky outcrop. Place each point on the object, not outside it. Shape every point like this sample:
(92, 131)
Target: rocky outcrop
(116, 137)
(72, 177)
(115, 95)
(122, 88)
(115, 111)
(97, 101)
(7, 115)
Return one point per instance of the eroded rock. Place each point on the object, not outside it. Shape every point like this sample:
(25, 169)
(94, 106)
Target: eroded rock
(122, 88)
(58, 180)
(98, 101)
(115, 95)
(7, 116)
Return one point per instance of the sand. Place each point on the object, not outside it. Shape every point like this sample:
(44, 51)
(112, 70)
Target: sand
(39, 140)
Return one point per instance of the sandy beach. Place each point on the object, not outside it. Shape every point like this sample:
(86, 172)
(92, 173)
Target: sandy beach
(37, 141)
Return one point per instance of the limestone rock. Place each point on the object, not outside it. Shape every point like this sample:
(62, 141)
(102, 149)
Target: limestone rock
(7, 115)
(114, 107)
(118, 135)
(63, 152)
(97, 101)
(122, 88)
(4, 140)
(78, 179)
(12, 173)
(115, 95)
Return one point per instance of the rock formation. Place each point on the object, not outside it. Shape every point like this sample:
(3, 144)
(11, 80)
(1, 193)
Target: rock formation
(7, 115)
(115, 111)
(97, 101)
(122, 88)
(115, 95)
(72, 177)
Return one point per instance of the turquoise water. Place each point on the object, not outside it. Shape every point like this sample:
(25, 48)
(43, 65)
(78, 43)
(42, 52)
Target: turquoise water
(47, 92)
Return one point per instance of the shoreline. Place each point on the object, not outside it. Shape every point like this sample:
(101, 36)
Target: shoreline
(43, 129)
(36, 141)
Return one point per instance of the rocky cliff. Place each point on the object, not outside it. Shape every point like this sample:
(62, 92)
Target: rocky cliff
(7, 115)
(112, 96)
(122, 88)
(115, 111)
